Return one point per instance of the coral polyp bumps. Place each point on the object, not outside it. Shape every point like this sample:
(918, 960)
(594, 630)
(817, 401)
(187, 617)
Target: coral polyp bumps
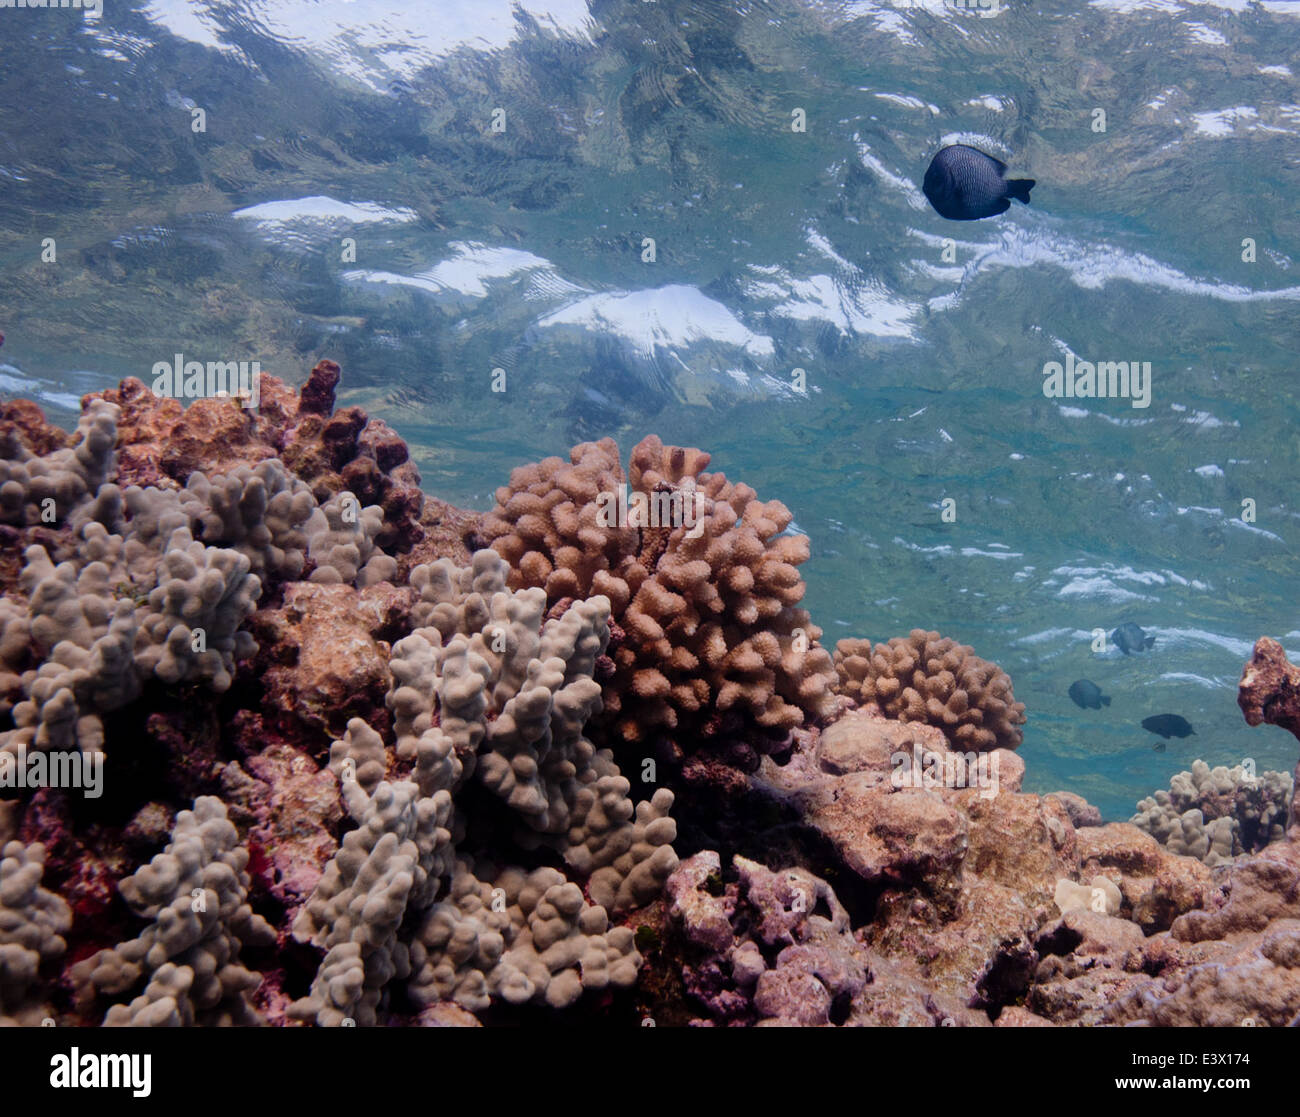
(129, 595)
(706, 609)
(289, 741)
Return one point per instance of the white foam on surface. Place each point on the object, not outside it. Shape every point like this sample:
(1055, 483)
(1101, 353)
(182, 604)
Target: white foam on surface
(675, 315)
(373, 42)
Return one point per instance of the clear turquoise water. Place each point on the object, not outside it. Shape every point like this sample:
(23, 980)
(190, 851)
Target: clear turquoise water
(775, 250)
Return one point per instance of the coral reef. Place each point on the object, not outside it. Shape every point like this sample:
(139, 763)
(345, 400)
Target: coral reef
(148, 588)
(1214, 814)
(926, 677)
(330, 451)
(361, 769)
(42, 488)
(702, 582)
(776, 949)
(518, 937)
(954, 875)
(116, 615)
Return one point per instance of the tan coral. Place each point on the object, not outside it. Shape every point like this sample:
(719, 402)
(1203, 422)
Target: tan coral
(700, 578)
(33, 922)
(927, 677)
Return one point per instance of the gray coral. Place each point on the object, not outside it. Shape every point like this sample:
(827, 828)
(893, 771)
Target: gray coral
(190, 630)
(1214, 814)
(159, 585)
(518, 937)
(260, 511)
(389, 863)
(33, 921)
(485, 690)
(44, 489)
(194, 894)
(341, 542)
(99, 633)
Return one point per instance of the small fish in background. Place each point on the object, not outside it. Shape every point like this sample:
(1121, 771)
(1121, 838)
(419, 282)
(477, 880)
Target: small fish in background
(1130, 639)
(964, 184)
(1168, 725)
(1159, 746)
(1088, 695)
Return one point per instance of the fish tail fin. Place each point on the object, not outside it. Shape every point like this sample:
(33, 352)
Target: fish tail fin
(1105, 699)
(1150, 642)
(1019, 188)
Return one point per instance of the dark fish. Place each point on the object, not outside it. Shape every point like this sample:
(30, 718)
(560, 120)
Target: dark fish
(1169, 725)
(1159, 746)
(1129, 638)
(1086, 693)
(964, 184)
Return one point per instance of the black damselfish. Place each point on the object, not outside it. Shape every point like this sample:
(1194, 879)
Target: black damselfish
(1130, 639)
(964, 184)
(1086, 693)
(1169, 725)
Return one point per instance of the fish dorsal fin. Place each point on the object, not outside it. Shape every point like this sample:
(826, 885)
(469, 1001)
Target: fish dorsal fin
(1002, 167)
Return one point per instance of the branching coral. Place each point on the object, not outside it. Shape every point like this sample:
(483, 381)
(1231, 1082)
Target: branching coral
(1216, 813)
(486, 854)
(701, 578)
(488, 693)
(158, 582)
(341, 542)
(328, 451)
(33, 922)
(195, 895)
(43, 489)
(926, 677)
(133, 585)
(517, 937)
(260, 511)
(390, 862)
(100, 633)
